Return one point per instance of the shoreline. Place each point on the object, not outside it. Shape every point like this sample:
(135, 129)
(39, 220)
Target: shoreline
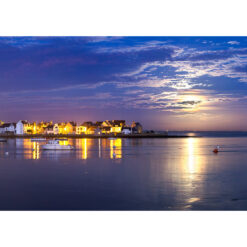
(73, 136)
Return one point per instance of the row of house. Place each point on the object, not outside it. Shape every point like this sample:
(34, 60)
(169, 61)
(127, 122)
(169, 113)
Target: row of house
(100, 127)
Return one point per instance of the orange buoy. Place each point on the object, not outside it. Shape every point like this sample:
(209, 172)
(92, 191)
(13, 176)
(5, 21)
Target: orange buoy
(216, 150)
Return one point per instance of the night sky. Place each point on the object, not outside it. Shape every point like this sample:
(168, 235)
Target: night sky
(174, 83)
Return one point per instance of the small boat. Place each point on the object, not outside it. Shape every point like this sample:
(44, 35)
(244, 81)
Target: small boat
(38, 139)
(216, 150)
(112, 138)
(3, 140)
(54, 145)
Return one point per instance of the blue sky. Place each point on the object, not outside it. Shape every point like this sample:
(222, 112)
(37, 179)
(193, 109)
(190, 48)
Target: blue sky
(179, 83)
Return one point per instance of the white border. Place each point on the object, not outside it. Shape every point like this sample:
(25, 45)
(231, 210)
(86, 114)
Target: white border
(160, 18)
(122, 229)
(129, 17)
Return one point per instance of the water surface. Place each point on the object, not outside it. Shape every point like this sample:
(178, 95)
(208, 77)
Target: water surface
(125, 174)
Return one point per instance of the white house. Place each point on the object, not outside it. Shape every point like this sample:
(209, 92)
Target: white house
(8, 128)
(20, 127)
(126, 130)
(56, 129)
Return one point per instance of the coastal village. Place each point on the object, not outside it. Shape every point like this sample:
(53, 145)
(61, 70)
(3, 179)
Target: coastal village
(106, 127)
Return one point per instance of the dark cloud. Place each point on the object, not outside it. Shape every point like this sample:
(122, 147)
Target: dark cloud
(189, 102)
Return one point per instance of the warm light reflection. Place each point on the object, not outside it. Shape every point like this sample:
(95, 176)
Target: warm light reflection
(27, 146)
(195, 161)
(36, 154)
(31, 150)
(84, 149)
(116, 149)
(191, 159)
(191, 172)
(85, 145)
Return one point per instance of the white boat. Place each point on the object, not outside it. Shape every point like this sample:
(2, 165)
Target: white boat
(55, 145)
(38, 139)
(3, 140)
(112, 138)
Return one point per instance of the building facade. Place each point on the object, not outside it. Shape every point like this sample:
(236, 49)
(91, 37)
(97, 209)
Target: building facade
(23, 127)
(8, 128)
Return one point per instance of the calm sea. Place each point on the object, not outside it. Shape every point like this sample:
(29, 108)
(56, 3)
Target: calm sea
(125, 174)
